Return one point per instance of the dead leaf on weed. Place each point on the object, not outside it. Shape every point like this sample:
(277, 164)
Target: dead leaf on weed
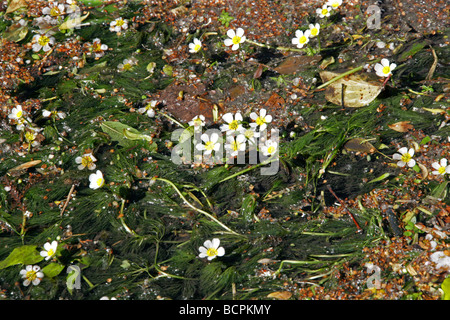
(402, 126)
(359, 145)
(25, 165)
(351, 91)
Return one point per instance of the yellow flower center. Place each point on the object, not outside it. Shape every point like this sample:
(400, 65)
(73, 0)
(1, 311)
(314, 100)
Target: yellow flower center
(29, 136)
(235, 145)
(120, 22)
(197, 47)
(260, 121)
(31, 275)
(212, 252)
(441, 170)
(86, 161)
(302, 39)
(386, 70)
(209, 145)
(324, 12)
(127, 66)
(55, 12)
(50, 252)
(19, 114)
(43, 40)
(314, 31)
(335, 4)
(406, 157)
(96, 47)
(271, 149)
(236, 40)
(100, 182)
(233, 125)
(197, 122)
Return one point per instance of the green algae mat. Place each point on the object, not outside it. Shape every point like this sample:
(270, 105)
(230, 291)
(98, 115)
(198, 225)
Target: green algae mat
(273, 150)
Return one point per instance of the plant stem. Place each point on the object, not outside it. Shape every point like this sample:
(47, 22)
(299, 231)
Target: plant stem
(276, 48)
(248, 169)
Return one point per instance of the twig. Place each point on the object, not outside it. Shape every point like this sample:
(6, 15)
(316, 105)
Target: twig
(342, 203)
(433, 66)
(68, 199)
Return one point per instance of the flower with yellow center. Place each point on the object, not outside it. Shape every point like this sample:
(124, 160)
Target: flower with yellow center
(118, 25)
(149, 109)
(195, 46)
(54, 9)
(384, 69)
(211, 249)
(16, 113)
(233, 123)
(334, 4)
(86, 161)
(261, 120)
(127, 64)
(31, 274)
(323, 12)
(42, 41)
(441, 167)
(235, 145)
(96, 180)
(49, 250)
(405, 157)
(197, 122)
(314, 30)
(235, 38)
(301, 38)
(270, 148)
(211, 143)
(98, 48)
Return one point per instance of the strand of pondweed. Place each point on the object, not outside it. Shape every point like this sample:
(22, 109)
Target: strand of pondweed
(276, 48)
(270, 160)
(195, 208)
(323, 85)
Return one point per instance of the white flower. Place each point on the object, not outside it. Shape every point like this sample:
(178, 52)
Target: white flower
(211, 143)
(98, 48)
(261, 121)
(301, 38)
(21, 122)
(31, 135)
(441, 260)
(324, 11)
(49, 249)
(118, 25)
(197, 121)
(86, 161)
(42, 41)
(235, 38)
(405, 157)
(54, 9)
(270, 148)
(233, 124)
(106, 298)
(149, 109)
(96, 180)
(334, 4)
(384, 69)
(72, 6)
(57, 114)
(234, 145)
(195, 46)
(441, 167)
(211, 249)
(314, 30)
(127, 64)
(32, 274)
(16, 113)
(250, 134)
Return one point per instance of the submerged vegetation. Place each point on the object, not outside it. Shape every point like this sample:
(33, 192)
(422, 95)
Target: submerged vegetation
(222, 150)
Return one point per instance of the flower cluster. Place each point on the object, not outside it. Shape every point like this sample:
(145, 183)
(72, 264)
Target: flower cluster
(32, 274)
(23, 123)
(237, 135)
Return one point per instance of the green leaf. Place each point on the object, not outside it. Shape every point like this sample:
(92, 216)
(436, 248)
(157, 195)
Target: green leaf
(52, 270)
(382, 177)
(445, 286)
(116, 130)
(25, 254)
(72, 23)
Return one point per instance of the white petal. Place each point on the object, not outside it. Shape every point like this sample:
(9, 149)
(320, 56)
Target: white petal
(214, 137)
(220, 251)
(231, 33)
(411, 152)
(228, 42)
(392, 66)
(435, 165)
(240, 32)
(396, 156)
(385, 62)
(268, 118)
(235, 47)
(207, 244)
(443, 162)
(403, 150)
(228, 117)
(401, 164)
(238, 117)
(243, 38)
(411, 163)
(204, 137)
(215, 243)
